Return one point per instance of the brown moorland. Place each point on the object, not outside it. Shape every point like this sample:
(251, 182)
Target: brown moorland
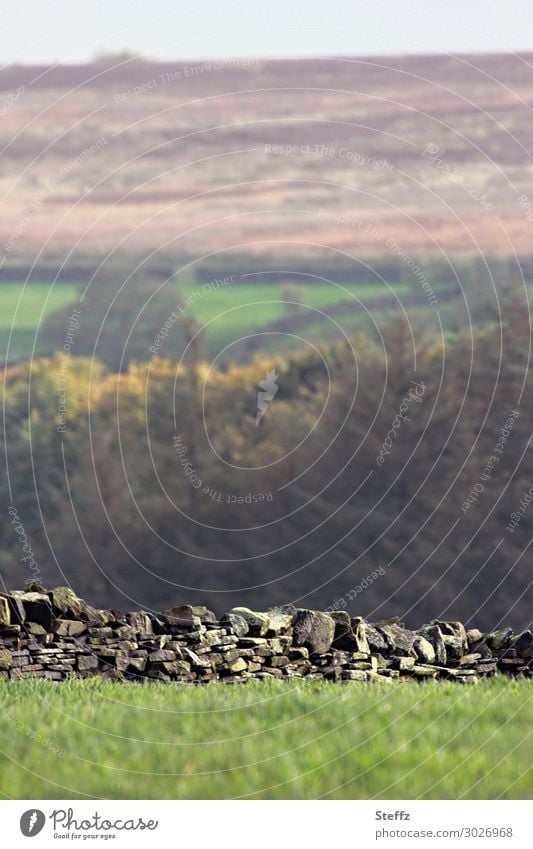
(434, 152)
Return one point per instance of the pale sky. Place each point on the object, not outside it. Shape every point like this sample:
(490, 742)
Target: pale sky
(74, 30)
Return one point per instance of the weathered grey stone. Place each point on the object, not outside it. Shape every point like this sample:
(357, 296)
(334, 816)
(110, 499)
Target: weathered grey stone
(5, 615)
(258, 623)
(468, 659)
(454, 646)
(280, 623)
(473, 636)
(523, 644)
(404, 663)
(300, 653)
(278, 661)
(278, 646)
(162, 655)
(460, 673)
(424, 650)
(94, 616)
(68, 628)
(6, 659)
(34, 629)
(204, 615)
(124, 632)
(65, 603)
(137, 664)
(420, 671)
(263, 651)
(238, 624)
(140, 622)
(400, 639)
(182, 615)
(499, 640)
(433, 634)
(238, 665)
(37, 608)
(350, 632)
(454, 629)
(482, 649)
(314, 630)
(353, 675)
(87, 663)
(16, 608)
(376, 640)
(195, 660)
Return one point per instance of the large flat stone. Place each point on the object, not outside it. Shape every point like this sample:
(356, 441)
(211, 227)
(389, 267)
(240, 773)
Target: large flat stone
(314, 630)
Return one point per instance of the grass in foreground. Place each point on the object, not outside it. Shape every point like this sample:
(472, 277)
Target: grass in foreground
(266, 740)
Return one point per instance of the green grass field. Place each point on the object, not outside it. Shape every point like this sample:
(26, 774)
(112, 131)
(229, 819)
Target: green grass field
(232, 311)
(274, 740)
(248, 312)
(22, 308)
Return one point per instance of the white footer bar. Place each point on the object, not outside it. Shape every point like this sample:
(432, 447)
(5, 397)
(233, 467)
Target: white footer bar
(268, 824)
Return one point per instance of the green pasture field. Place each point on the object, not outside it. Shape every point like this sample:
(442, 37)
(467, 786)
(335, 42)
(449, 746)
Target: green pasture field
(22, 308)
(370, 323)
(239, 309)
(266, 740)
(232, 311)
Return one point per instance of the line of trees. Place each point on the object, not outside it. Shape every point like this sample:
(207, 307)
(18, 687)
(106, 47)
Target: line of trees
(160, 487)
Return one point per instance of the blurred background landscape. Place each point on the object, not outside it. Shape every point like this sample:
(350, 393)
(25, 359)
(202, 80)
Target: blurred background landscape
(347, 229)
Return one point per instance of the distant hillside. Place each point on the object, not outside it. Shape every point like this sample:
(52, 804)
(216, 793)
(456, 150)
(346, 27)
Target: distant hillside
(372, 156)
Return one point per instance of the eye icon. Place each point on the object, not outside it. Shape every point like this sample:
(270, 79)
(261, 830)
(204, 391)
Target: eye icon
(32, 822)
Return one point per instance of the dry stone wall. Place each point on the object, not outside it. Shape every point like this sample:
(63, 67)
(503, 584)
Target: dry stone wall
(55, 635)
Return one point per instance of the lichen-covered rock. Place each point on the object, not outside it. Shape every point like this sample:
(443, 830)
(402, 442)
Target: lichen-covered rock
(68, 627)
(258, 623)
(87, 663)
(470, 659)
(424, 650)
(473, 636)
(280, 623)
(350, 634)
(401, 640)
(34, 629)
(314, 630)
(523, 645)
(433, 634)
(204, 614)
(236, 623)
(375, 639)
(16, 608)
(94, 616)
(454, 629)
(161, 655)
(6, 659)
(238, 665)
(454, 646)
(499, 640)
(181, 616)
(37, 608)
(5, 615)
(140, 622)
(65, 603)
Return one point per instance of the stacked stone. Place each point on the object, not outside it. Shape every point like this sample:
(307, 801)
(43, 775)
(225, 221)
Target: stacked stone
(56, 636)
